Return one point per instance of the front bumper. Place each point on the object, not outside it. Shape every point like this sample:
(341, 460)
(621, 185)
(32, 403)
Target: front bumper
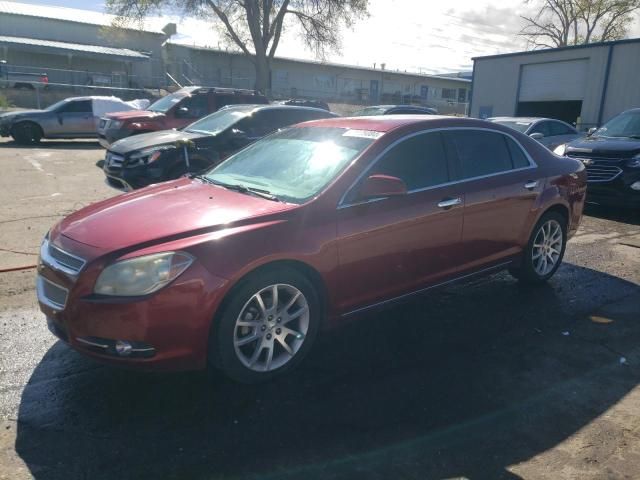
(170, 328)
(128, 179)
(617, 193)
(5, 130)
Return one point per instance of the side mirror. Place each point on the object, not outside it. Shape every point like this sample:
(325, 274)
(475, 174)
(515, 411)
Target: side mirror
(377, 186)
(182, 112)
(537, 136)
(591, 131)
(238, 137)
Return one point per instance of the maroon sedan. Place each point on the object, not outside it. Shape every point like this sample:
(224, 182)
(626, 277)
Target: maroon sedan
(241, 267)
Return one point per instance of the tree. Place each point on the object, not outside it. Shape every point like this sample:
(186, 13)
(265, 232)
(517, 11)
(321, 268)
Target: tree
(255, 26)
(560, 23)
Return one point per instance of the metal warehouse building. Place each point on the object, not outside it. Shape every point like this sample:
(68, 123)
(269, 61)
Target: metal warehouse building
(585, 84)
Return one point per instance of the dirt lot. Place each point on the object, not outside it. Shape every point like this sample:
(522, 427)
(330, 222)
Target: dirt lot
(482, 381)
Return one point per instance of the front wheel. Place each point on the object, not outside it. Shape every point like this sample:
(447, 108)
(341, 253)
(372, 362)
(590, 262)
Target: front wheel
(545, 250)
(26, 133)
(267, 327)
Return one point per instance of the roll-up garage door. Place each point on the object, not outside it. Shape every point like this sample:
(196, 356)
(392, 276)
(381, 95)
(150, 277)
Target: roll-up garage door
(554, 81)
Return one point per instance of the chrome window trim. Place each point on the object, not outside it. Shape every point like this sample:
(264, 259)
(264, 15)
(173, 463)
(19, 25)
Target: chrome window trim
(48, 260)
(532, 164)
(44, 299)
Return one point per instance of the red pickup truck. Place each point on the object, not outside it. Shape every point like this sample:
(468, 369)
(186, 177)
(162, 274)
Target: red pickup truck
(176, 110)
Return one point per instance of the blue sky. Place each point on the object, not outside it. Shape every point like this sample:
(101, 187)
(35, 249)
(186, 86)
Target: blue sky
(413, 35)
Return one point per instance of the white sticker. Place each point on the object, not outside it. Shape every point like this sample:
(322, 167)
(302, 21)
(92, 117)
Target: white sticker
(362, 134)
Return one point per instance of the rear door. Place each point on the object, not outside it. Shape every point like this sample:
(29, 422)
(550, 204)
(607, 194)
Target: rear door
(390, 246)
(500, 183)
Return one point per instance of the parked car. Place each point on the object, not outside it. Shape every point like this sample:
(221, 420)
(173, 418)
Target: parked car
(75, 117)
(12, 79)
(612, 157)
(176, 110)
(141, 160)
(305, 102)
(395, 110)
(240, 267)
(547, 131)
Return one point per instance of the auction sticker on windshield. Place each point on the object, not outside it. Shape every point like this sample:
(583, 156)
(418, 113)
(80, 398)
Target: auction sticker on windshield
(362, 134)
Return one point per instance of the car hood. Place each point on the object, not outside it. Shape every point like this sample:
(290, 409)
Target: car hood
(134, 115)
(9, 116)
(164, 212)
(606, 146)
(152, 139)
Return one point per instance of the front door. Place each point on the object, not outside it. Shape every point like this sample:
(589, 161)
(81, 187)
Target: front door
(390, 246)
(75, 119)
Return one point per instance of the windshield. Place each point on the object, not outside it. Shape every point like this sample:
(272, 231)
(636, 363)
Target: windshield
(219, 121)
(369, 111)
(293, 165)
(165, 103)
(519, 126)
(624, 125)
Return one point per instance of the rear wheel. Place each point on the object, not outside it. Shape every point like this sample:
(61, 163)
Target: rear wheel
(269, 324)
(26, 133)
(545, 250)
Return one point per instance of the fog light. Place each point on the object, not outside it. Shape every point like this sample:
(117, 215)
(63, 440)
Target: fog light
(635, 186)
(123, 348)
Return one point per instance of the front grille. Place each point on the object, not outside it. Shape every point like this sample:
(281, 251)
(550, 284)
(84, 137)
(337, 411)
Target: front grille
(70, 262)
(51, 294)
(599, 168)
(602, 173)
(113, 160)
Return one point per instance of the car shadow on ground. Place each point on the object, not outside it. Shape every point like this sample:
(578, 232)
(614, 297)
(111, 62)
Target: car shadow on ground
(55, 144)
(617, 214)
(460, 383)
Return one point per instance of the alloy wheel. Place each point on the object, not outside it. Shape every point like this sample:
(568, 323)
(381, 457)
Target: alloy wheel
(271, 327)
(547, 247)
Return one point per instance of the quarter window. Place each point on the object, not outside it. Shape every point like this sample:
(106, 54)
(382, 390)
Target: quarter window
(419, 161)
(517, 155)
(481, 153)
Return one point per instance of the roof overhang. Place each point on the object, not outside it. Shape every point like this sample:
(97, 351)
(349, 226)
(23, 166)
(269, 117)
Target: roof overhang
(50, 46)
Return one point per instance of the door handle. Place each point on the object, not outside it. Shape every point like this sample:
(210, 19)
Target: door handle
(449, 202)
(530, 185)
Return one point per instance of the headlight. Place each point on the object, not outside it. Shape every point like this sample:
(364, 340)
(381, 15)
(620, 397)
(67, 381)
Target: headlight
(142, 275)
(115, 124)
(634, 162)
(151, 154)
(560, 149)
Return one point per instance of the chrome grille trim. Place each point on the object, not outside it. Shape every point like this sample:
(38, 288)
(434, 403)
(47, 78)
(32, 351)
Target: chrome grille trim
(114, 160)
(51, 294)
(602, 173)
(60, 260)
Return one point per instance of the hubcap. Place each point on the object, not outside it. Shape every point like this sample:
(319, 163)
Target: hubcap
(271, 327)
(547, 246)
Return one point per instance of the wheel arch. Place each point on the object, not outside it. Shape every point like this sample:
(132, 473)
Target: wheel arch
(28, 121)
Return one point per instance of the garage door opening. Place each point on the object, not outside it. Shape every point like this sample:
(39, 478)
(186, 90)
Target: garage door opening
(567, 110)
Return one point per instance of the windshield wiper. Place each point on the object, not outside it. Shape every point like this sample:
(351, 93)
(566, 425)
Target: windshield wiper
(239, 188)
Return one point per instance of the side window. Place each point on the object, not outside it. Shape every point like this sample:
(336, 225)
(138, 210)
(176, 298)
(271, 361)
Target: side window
(541, 127)
(557, 128)
(517, 155)
(196, 106)
(261, 123)
(420, 161)
(481, 152)
(224, 100)
(77, 106)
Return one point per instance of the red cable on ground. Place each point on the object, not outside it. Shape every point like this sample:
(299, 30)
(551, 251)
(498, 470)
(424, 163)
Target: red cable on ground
(15, 269)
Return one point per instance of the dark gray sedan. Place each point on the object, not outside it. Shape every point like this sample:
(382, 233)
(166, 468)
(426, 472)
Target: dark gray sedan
(547, 131)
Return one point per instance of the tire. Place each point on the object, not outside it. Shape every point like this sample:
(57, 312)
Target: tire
(545, 250)
(26, 133)
(243, 327)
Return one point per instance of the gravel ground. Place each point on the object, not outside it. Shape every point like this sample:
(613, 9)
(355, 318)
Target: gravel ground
(485, 380)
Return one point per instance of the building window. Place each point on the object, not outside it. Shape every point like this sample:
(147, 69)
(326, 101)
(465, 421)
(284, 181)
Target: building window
(449, 93)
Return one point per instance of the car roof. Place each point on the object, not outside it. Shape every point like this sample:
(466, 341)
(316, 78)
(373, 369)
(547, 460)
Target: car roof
(386, 123)
(255, 107)
(95, 97)
(523, 119)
